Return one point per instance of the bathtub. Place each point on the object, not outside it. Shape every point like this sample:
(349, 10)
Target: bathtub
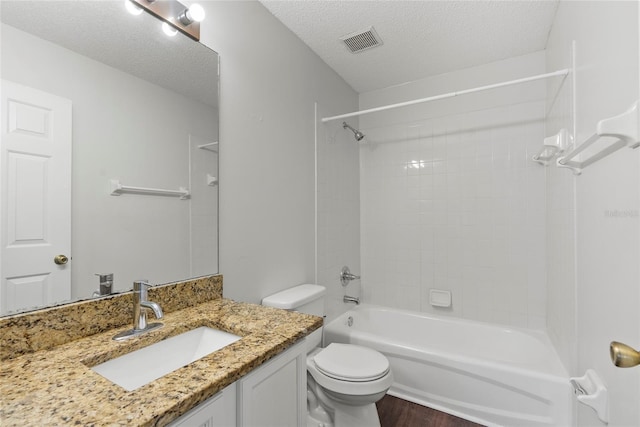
(492, 375)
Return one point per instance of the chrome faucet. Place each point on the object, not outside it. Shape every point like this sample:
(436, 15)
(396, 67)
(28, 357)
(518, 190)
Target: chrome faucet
(106, 285)
(140, 304)
(347, 298)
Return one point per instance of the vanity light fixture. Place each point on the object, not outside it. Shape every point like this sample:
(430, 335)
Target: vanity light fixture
(195, 13)
(175, 16)
(169, 30)
(132, 8)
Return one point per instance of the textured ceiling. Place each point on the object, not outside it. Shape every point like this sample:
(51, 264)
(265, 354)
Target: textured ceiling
(421, 38)
(104, 31)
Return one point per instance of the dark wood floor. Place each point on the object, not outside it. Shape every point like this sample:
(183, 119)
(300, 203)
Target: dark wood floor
(394, 412)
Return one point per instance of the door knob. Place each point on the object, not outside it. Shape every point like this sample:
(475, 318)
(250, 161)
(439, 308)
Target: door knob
(60, 259)
(623, 356)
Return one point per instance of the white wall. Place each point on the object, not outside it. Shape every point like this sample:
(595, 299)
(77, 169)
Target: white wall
(451, 200)
(270, 81)
(109, 142)
(338, 196)
(561, 211)
(603, 299)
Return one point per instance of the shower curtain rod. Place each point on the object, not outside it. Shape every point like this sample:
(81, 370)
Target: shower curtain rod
(562, 72)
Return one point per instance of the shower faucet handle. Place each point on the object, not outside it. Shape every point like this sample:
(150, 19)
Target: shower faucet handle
(346, 276)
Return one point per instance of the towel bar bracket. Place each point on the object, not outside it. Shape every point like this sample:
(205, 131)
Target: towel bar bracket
(624, 127)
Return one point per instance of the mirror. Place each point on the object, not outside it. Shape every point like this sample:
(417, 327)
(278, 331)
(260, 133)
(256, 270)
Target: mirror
(143, 113)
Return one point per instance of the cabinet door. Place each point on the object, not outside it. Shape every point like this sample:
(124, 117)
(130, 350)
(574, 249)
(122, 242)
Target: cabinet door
(217, 411)
(275, 393)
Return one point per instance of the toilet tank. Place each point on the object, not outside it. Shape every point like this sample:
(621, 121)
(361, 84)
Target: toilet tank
(307, 298)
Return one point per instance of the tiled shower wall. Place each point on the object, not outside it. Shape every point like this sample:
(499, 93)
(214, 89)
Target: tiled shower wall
(452, 201)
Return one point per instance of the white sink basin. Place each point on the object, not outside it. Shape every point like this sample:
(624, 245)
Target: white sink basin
(136, 369)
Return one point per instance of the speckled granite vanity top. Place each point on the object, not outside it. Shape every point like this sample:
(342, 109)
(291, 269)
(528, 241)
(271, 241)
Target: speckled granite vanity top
(56, 386)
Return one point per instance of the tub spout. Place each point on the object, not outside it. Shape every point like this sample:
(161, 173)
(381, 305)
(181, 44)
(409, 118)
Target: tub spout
(347, 298)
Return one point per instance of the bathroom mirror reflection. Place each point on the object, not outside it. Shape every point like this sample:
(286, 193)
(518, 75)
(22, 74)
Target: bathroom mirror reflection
(142, 111)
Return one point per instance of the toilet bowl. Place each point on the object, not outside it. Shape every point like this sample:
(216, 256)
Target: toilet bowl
(347, 381)
(343, 380)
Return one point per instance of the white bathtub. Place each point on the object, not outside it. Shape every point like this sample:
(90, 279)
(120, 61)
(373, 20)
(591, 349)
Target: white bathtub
(485, 373)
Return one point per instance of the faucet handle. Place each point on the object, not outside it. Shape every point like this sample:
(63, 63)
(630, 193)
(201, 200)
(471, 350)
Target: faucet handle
(346, 276)
(141, 285)
(106, 283)
(108, 277)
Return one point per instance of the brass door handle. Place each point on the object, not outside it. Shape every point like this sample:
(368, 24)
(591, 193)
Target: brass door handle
(623, 356)
(60, 259)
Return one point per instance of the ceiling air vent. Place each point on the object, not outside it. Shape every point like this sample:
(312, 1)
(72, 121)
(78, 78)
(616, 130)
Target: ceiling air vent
(362, 40)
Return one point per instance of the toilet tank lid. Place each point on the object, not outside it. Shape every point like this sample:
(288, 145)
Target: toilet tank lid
(297, 296)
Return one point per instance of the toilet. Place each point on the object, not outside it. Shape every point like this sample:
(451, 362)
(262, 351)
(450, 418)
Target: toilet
(344, 381)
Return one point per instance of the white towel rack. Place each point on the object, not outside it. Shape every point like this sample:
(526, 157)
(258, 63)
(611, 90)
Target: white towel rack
(625, 127)
(563, 72)
(211, 146)
(117, 189)
(552, 146)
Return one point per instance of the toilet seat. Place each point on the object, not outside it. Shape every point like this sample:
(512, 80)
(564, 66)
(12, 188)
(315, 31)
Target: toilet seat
(352, 388)
(349, 362)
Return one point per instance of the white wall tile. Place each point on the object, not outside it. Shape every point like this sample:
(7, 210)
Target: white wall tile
(460, 214)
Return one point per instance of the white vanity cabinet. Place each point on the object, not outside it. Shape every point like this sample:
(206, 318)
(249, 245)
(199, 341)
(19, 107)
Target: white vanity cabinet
(273, 394)
(217, 411)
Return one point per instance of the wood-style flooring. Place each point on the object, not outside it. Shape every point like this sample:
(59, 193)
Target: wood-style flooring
(394, 412)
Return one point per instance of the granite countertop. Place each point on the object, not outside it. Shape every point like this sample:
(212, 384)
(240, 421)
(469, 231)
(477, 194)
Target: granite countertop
(57, 386)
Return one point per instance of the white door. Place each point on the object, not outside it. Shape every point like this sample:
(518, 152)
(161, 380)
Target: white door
(35, 198)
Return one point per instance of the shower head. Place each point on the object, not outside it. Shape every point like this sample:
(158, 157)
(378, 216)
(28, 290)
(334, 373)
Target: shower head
(359, 135)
